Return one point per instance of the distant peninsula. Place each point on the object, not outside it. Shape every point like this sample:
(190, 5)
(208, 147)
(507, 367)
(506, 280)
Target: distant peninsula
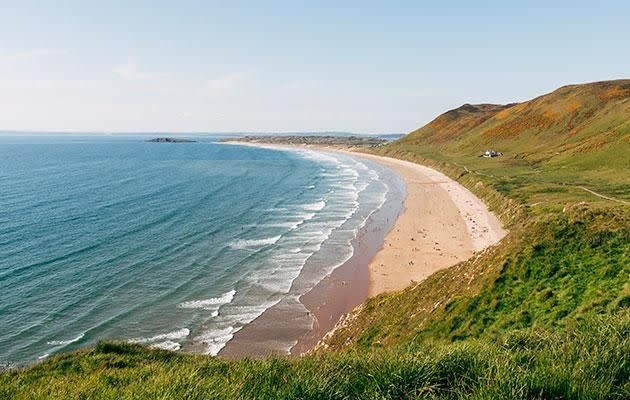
(346, 141)
(170, 140)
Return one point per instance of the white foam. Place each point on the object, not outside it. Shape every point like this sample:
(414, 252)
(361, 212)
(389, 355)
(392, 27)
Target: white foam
(216, 339)
(211, 303)
(306, 216)
(167, 345)
(223, 329)
(65, 342)
(174, 335)
(43, 356)
(290, 225)
(249, 243)
(315, 206)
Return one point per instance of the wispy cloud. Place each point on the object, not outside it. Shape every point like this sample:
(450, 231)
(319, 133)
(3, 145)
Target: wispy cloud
(130, 71)
(34, 54)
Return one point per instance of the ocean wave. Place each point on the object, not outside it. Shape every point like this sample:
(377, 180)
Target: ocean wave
(290, 225)
(216, 339)
(174, 335)
(210, 304)
(305, 216)
(167, 345)
(315, 206)
(65, 342)
(248, 243)
(318, 156)
(221, 330)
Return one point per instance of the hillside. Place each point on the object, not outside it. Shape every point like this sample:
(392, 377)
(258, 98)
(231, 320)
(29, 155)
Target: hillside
(576, 136)
(543, 314)
(574, 120)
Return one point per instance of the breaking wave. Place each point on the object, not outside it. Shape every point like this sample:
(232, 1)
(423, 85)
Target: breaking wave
(252, 243)
(211, 303)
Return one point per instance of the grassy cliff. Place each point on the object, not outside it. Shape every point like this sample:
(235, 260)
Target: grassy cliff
(544, 314)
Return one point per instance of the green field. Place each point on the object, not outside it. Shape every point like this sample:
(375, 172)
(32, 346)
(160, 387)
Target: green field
(545, 314)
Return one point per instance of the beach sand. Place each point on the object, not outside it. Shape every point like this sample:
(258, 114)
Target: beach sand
(443, 224)
(432, 223)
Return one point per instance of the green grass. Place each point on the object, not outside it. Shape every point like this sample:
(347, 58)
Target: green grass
(573, 265)
(588, 360)
(553, 183)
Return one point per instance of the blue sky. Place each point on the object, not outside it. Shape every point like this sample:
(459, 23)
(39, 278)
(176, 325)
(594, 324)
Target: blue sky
(363, 66)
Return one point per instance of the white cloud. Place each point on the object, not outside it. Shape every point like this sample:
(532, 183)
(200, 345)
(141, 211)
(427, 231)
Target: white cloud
(130, 71)
(37, 53)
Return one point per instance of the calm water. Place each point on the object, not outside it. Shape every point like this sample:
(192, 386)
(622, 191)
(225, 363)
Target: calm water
(165, 244)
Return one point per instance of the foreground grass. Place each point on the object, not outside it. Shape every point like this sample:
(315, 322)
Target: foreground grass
(589, 360)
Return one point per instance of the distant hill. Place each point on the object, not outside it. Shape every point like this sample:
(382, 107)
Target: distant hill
(573, 138)
(344, 141)
(586, 122)
(170, 140)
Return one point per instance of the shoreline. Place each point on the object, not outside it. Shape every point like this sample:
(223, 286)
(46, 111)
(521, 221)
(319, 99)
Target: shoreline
(443, 224)
(440, 224)
(301, 319)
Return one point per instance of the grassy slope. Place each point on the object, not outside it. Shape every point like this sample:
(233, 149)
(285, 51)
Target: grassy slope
(542, 315)
(573, 265)
(578, 135)
(587, 361)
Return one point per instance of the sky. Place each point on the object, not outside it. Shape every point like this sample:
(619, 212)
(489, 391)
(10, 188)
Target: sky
(291, 66)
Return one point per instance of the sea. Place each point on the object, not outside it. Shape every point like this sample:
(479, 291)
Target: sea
(171, 245)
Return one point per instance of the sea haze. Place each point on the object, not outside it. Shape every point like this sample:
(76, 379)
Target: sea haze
(168, 244)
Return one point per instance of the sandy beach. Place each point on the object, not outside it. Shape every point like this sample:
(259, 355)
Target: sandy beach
(443, 223)
(432, 223)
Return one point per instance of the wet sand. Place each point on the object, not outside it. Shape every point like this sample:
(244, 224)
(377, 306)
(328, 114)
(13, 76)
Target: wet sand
(441, 224)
